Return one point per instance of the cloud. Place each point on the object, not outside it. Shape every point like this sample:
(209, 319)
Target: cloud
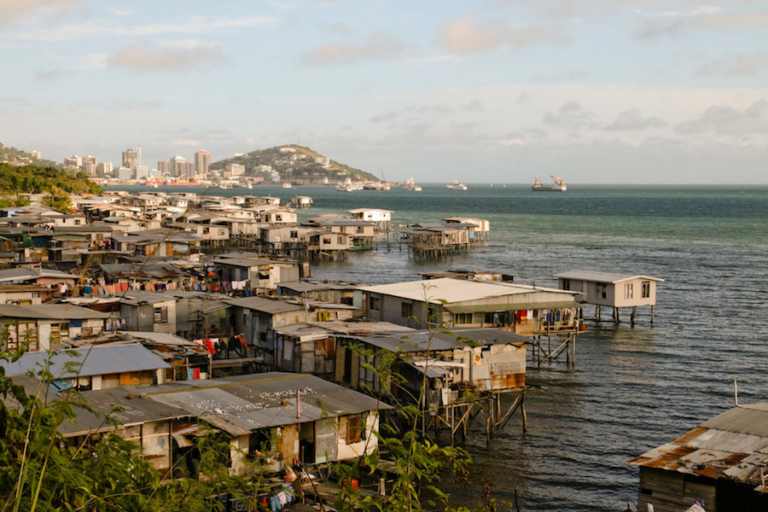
(338, 28)
(729, 120)
(377, 47)
(475, 106)
(12, 10)
(656, 27)
(175, 56)
(467, 37)
(570, 116)
(121, 12)
(734, 65)
(54, 74)
(633, 119)
(384, 118)
(195, 25)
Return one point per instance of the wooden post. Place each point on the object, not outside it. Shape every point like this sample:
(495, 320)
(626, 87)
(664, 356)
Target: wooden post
(651, 315)
(525, 415)
(633, 316)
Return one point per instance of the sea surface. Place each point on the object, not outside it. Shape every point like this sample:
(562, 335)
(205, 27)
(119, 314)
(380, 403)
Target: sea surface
(632, 388)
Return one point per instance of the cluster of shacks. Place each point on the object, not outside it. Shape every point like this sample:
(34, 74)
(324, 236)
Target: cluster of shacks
(195, 316)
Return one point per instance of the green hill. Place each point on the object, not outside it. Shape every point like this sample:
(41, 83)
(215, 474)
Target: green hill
(295, 162)
(29, 179)
(18, 157)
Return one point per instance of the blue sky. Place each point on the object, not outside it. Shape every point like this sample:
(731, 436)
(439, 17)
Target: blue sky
(597, 91)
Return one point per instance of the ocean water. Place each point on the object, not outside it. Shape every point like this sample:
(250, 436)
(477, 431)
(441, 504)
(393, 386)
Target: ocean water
(632, 388)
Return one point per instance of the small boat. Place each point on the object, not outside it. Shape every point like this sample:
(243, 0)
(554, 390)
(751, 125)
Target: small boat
(287, 185)
(558, 185)
(456, 185)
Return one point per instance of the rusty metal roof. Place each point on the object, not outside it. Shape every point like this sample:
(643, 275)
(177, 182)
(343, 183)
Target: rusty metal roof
(732, 445)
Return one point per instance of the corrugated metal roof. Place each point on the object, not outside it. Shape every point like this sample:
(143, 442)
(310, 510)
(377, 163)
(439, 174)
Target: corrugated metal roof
(87, 361)
(50, 312)
(602, 277)
(265, 305)
(435, 291)
(497, 308)
(733, 445)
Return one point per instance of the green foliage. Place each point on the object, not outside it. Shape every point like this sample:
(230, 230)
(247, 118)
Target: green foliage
(300, 169)
(29, 179)
(40, 470)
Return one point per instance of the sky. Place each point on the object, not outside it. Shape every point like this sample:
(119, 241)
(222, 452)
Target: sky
(595, 91)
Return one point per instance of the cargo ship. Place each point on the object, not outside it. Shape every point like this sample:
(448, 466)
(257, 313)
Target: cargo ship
(558, 185)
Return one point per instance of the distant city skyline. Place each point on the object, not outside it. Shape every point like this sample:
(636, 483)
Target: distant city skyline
(484, 91)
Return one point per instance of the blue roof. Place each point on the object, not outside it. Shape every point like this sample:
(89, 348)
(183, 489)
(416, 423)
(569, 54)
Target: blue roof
(90, 361)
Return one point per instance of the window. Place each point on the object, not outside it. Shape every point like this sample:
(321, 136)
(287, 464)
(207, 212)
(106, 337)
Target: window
(342, 229)
(326, 240)
(21, 334)
(435, 316)
(629, 291)
(354, 429)
(646, 289)
(161, 315)
(294, 234)
(77, 222)
(566, 284)
(374, 303)
(359, 230)
(462, 318)
(278, 218)
(222, 232)
(406, 309)
(601, 290)
(340, 240)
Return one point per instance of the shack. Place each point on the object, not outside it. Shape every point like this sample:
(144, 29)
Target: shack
(43, 325)
(94, 367)
(525, 310)
(611, 290)
(273, 417)
(722, 461)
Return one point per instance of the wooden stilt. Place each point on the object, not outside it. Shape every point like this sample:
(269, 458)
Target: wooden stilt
(651, 315)
(633, 316)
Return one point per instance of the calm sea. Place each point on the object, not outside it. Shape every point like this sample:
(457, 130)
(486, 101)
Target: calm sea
(633, 388)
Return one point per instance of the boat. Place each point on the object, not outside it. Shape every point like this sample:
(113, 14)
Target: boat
(456, 185)
(287, 185)
(558, 185)
(411, 186)
(348, 186)
(150, 184)
(248, 185)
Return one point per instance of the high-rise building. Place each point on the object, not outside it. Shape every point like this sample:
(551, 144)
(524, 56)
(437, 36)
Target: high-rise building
(177, 164)
(89, 165)
(187, 171)
(73, 161)
(142, 172)
(202, 161)
(124, 173)
(104, 168)
(164, 167)
(130, 159)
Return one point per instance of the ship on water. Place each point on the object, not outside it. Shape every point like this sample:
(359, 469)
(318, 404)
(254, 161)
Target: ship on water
(558, 185)
(456, 185)
(349, 186)
(411, 186)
